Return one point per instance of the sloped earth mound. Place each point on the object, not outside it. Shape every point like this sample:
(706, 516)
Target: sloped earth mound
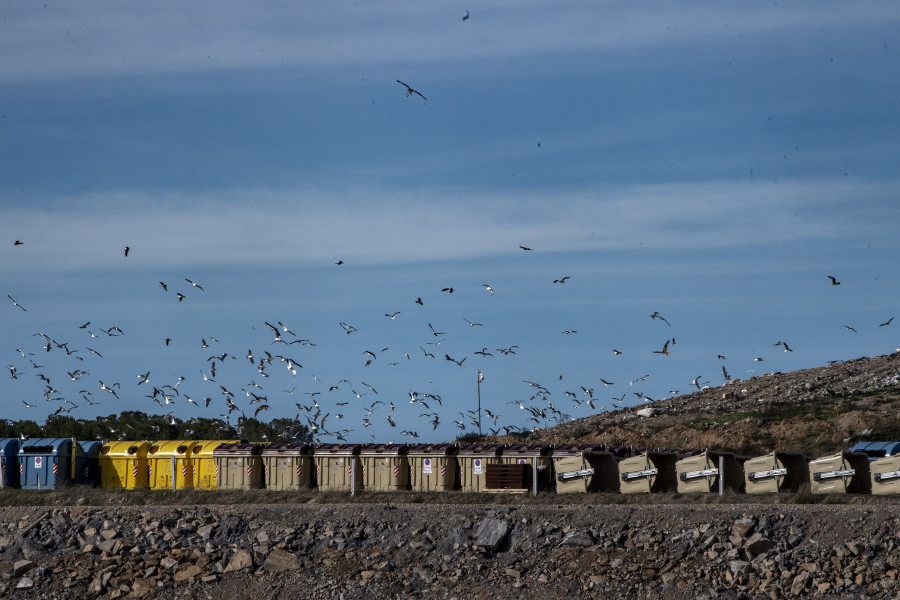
(815, 411)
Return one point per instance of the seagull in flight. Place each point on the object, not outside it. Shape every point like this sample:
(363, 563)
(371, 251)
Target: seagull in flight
(16, 303)
(656, 315)
(194, 284)
(848, 328)
(833, 280)
(526, 248)
(561, 279)
(392, 315)
(410, 91)
(886, 323)
(488, 288)
(665, 349)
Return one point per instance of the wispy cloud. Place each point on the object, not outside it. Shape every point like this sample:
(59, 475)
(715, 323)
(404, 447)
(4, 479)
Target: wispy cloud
(273, 227)
(97, 39)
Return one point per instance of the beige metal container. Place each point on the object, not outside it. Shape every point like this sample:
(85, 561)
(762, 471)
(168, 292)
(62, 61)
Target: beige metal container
(653, 471)
(582, 468)
(779, 471)
(239, 466)
(703, 472)
(433, 467)
(385, 467)
(885, 475)
(288, 466)
(473, 461)
(842, 473)
(335, 464)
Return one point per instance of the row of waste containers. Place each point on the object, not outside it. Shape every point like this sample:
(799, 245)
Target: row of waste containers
(581, 468)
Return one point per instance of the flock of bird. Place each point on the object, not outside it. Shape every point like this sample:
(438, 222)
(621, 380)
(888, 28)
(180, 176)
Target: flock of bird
(341, 411)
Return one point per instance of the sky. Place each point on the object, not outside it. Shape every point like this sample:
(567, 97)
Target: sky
(709, 163)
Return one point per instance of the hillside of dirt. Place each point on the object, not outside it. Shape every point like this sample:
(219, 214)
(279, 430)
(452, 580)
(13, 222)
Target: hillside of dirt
(815, 411)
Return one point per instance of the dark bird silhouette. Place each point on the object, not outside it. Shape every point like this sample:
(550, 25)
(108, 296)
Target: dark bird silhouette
(561, 279)
(17, 243)
(466, 16)
(419, 301)
(886, 323)
(392, 315)
(833, 280)
(163, 286)
(447, 289)
(725, 373)
(180, 296)
(656, 315)
(665, 349)
(127, 250)
(435, 333)
(526, 249)
(848, 328)
(459, 362)
(339, 262)
(410, 91)
(16, 303)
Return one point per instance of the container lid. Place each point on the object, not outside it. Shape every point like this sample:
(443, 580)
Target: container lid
(482, 450)
(288, 448)
(528, 450)
(433, 450)
(382, 449)
(339, 449)
(239, 448)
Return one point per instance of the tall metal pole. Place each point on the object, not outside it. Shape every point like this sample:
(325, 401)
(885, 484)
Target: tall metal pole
(480, 378)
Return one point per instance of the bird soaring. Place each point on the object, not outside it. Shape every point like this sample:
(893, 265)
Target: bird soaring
(410, 91)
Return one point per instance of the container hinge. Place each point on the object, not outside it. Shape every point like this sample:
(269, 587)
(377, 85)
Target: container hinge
(574, 474)
(688, 475)
(834, 474)
(639, 474)
(887, 476)
(754, 476)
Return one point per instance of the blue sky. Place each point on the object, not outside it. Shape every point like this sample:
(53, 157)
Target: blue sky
(713, 162)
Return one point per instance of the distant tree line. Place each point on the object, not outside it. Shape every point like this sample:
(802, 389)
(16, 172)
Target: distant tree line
(136, 425)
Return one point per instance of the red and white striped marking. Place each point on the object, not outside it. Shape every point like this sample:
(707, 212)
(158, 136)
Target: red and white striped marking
(249, 470)
(396, 471)
(55, 468)
(443, 470)
(184, 470)
(266, 467)
(299, 469)
(217, 472)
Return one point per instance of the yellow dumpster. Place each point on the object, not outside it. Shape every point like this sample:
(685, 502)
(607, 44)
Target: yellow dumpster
(170, 465)
(203, 463)
(123, 465)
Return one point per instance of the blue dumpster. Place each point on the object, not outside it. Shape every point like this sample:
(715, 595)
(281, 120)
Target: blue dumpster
(9, 471)
(45, 463)
(87, 463)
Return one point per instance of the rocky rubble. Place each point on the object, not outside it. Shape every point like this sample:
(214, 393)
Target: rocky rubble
(354, 551)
